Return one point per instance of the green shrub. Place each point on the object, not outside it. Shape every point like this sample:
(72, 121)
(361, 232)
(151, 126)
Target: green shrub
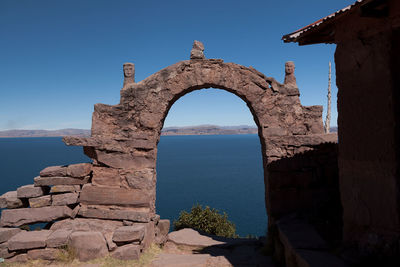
(206, 220)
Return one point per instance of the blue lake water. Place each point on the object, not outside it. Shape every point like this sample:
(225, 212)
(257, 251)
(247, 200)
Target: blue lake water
(221, 171)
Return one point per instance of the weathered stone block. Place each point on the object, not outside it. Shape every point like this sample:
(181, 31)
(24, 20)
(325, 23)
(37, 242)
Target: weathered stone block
(104, 213)
(54, 171)
(163, 226)
(65, 199)
(48, 254)
(18, 217)
(7, 233)
(141, 179)
(10, 200)
(20, 258)
(42, 181)
(149, 234)
(127, 252)
(88, 245)
(39, 202)
(28, 191)
(65, 189)
(79, 170)
(58, 238)
(103, 176)
(113, 196)
(84, 224)
(28, 240)
(124, 160)
(129, 234)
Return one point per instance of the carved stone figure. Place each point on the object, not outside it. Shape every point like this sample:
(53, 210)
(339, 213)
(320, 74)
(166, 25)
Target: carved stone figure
(290, 79)
(197, 51)
(129, 73)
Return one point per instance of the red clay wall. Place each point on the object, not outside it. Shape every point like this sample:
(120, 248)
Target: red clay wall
(368, 141)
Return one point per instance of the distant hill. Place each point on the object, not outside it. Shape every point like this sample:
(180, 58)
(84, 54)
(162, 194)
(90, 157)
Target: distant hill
(190, 130)
(44, 133)
(209, 129)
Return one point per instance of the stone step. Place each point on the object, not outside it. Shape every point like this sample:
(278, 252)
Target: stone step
(28, 240)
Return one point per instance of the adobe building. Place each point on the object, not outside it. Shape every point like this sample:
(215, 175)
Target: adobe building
(367, 57)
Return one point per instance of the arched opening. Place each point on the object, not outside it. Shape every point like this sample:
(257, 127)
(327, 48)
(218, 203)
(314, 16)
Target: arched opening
(202, 166)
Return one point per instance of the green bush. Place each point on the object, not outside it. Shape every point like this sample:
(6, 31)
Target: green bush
(206, 220)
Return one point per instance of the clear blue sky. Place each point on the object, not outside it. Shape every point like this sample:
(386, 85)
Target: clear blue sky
(59, 58)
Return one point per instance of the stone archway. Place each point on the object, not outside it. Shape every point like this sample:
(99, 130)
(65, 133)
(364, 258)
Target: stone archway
(124, 137)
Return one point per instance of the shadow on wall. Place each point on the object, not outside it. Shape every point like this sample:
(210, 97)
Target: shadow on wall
(304, 197)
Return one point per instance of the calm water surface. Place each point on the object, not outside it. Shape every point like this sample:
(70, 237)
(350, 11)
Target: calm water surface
(221, 171)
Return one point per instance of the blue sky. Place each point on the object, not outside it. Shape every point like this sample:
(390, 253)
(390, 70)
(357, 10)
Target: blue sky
(59, 58)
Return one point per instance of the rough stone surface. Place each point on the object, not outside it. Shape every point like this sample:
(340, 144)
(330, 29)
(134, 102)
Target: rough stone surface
(94, 195)
(28, 191)
(39, 202)
(176, 260)
(58, 238)
(129, 234)
(65, 189)
(163, 226)
(4, 252)
(84, 224)
(104, 213)
(18, 217)
(54, 171)
(65, 199)
(197, 50)
(10, 200)
(88, 245)
(48, 254)
(79, 170)
(42, 181)
(20, 258)
(127, 252)
(7, 233)
(28, 240)
(192, 238)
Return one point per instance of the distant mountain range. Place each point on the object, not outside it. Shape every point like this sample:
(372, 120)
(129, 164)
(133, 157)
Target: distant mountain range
(209, 129)
(189, 130)
(44, 133)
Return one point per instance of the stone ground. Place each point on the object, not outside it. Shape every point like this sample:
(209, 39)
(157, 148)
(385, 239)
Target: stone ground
(188, 248)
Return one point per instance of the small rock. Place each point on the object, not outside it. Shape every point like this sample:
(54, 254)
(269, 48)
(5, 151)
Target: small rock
(29, 191)
(65, 199)
(197, 50)
(19, 217)
(127, 252)
(7, 233)
(53, 171)
(58, 238)
(10, 200)
(163, 225)
(129, 233)
(28, 240)
(19, 258)
(88, 245)
(4, 252)
(79, 170)
(65, 189)
(39, 202)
